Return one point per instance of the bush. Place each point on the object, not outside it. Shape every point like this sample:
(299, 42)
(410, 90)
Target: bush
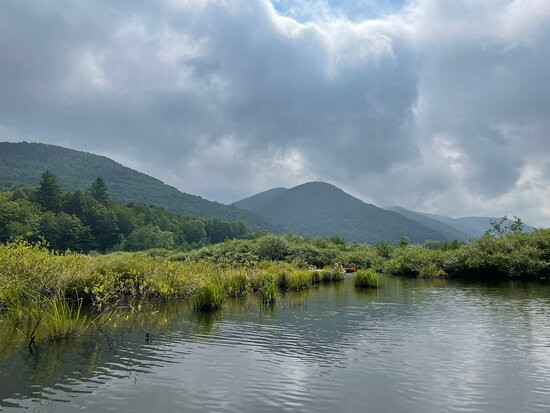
(431, 271)
(271, 247)
(148, 237)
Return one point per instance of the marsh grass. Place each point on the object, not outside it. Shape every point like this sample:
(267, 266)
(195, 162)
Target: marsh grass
(268, 290)
(331, 274)
(300, 279)
(63, 317)
(367, 279)
(209, 297)
(44, 293)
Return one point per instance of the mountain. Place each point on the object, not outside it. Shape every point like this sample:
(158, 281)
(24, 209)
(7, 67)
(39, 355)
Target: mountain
(21, 164)
(256, 201)
(473, 226)
(319, 209)
(450, 232)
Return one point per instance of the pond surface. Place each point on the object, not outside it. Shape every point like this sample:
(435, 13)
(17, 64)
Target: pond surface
(411, 346)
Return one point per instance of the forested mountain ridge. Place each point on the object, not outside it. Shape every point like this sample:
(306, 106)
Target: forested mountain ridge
(473, 226)
(22, 163)
(319, 209)
(452, 233)
(259, 199)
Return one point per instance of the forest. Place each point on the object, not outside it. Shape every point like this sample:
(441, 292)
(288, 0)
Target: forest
(92, 220)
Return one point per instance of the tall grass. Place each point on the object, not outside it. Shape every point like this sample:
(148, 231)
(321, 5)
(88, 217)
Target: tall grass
(210, 296)
(63, 317)
(31, 276)
(367, 279)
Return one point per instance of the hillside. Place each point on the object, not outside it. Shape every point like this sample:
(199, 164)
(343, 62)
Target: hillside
(256, 201)
(473, 226)
(22, 163)
(451, 233)
(319, 209)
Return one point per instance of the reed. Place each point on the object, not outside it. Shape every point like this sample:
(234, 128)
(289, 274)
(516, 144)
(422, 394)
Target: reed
(367, 279)
(63, 317)
(209, 297)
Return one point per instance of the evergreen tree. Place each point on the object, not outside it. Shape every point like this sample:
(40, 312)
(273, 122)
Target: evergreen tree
(99, 191)
(49, 194)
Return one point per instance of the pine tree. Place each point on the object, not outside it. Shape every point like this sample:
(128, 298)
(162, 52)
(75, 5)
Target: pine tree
(50, 195)
(99, 191)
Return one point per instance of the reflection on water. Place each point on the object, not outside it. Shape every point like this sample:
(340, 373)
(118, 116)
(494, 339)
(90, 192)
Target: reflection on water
(412, 345)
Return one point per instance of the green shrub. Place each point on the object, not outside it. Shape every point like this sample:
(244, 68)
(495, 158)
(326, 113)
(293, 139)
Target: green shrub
(431, 271)
(271, 247)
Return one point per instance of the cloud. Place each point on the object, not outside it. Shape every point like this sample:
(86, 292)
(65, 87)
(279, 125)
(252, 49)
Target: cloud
(430, 105)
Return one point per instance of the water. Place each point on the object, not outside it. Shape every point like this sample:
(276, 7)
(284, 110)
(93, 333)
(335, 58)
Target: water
(411, 346)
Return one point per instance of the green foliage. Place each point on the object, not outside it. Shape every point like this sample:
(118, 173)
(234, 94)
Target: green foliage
(403, 242)
(65, 232)
(91, 221)
(148, 237)
(49, 194)
(431, 271)
(63, 318)
(411, 259)
(194, 232)
(268, 289)
(21, 164)
(271, 247)
(504, 226)
(367, 279)
(210, 296)
(99, 191)
(43, 291)
(56, 285)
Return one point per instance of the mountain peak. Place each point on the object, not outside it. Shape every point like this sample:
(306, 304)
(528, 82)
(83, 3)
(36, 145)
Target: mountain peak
(321, 209)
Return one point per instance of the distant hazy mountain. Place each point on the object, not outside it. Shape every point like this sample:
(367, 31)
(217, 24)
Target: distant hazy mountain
(450, 232)
(21, 164)
(320, 209)
(473, 226)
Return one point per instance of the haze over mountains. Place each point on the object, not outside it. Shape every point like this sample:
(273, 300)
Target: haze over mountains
(314, 209)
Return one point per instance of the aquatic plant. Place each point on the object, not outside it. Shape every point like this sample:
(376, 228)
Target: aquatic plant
(210, 296)
(268, 289)
(63, 318)
(300, 279)
(367, 279)
(331, 274)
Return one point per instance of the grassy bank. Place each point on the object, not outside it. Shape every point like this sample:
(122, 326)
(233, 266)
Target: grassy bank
(514, 255)
(45, 291)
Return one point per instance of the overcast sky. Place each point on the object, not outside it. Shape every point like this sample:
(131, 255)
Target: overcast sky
(435, 105)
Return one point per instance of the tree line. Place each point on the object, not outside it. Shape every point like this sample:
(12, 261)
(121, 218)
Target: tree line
(92, 220)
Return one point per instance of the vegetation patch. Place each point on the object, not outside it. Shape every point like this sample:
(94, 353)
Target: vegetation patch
(367, 279)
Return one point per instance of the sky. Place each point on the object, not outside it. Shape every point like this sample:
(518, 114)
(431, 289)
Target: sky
(433, 105)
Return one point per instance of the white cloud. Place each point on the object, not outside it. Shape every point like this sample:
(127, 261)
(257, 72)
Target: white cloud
(435, 105)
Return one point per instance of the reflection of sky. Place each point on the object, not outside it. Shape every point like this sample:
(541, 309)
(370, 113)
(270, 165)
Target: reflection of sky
(413, 345)
(304, 10)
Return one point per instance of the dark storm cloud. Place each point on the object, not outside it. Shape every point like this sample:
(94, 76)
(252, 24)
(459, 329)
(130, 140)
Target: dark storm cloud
(433, 106)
